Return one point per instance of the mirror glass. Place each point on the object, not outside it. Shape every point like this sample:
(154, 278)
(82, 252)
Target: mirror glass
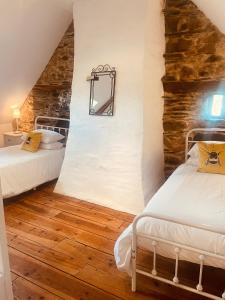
(102, 91)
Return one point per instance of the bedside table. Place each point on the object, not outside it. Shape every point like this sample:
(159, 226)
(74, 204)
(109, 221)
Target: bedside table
(12, 138)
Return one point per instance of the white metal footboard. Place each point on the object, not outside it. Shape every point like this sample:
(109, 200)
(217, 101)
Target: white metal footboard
(177, 249)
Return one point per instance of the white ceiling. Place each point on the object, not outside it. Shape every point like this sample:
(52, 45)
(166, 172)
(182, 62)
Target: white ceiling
(214, 10)
(30, 32)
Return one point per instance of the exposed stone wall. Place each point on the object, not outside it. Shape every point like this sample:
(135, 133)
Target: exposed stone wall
(51, 94)
(195, 65)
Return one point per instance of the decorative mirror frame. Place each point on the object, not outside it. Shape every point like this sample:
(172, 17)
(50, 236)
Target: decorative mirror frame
(102, 70)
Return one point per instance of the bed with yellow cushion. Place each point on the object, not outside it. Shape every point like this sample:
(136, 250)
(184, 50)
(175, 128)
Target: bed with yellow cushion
(26, 166)
(184, 220)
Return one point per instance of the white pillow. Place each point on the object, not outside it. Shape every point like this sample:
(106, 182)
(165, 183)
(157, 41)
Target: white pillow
(51, 146)
(49, 136)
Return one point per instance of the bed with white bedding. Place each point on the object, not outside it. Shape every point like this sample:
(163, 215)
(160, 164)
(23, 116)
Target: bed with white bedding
(22, 170)
(188, 197)
(191, 210)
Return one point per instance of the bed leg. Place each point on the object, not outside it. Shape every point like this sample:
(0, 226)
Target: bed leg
(133, 283)
(134, 255)
(134, 275)
(199, 286)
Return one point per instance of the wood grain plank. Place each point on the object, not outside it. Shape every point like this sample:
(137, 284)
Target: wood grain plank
(35, 233)
(93, 257)
(41, 222)
(88, 225)
(60, 260)
(63, 247)
(101, 263)
(26, 290)
(13, 276)
(40, 209)
(54, 281)
(50, 233)
(50, 239)
(84, 204)
(121, 215)
(63, 223)
(11, 211)
(95, 241)
(119, 286)
(78, 210)
(146, 287)
(57, 227)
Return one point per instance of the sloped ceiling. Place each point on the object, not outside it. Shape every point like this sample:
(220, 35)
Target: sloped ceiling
(214, 10)
(30, 30)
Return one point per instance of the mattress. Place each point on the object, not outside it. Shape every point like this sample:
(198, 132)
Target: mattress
(21, 170)
(189, 197)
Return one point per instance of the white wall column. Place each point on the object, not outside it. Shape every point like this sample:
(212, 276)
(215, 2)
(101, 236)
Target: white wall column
(117, 161)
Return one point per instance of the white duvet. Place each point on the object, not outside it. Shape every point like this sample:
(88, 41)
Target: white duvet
(21, 170)
(187, 196)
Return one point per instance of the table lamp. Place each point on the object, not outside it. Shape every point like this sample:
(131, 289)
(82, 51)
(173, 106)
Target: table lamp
(16, 116)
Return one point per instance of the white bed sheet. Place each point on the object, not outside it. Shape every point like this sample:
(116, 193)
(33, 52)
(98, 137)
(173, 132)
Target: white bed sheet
(190, 197)
(21, 170)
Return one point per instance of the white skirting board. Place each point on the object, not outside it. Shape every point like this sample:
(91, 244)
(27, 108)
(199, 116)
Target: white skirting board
(5, 278)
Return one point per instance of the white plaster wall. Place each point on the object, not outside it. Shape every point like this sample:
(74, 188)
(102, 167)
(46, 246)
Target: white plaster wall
(154, 70)
(30, 32)
(104, 157)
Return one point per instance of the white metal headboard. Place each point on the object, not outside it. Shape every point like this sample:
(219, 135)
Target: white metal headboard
(189, 140)
(59, 129)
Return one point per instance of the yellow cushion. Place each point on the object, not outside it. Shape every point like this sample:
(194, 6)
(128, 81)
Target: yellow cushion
(211, 158)
(32, 142)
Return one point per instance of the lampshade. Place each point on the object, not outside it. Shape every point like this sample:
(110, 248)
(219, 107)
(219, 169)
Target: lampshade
(15, 111)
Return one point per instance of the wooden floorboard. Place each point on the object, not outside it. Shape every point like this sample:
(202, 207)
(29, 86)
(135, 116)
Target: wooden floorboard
(62, 248)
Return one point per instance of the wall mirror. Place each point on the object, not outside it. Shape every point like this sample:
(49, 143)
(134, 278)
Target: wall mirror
(103, 79)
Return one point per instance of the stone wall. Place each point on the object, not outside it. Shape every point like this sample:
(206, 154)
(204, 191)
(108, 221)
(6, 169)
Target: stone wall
(51, 94)
(195, 66)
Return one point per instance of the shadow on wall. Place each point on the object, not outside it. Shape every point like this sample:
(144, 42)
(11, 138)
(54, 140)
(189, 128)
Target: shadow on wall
(195, 64)
(52, 93)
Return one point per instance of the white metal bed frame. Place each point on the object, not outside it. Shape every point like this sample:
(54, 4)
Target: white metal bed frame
(6, 292)
(202, 255)
(189, 141)
(59, 129)
(5, 277)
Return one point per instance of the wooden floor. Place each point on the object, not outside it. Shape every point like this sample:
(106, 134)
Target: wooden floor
(62, 248)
